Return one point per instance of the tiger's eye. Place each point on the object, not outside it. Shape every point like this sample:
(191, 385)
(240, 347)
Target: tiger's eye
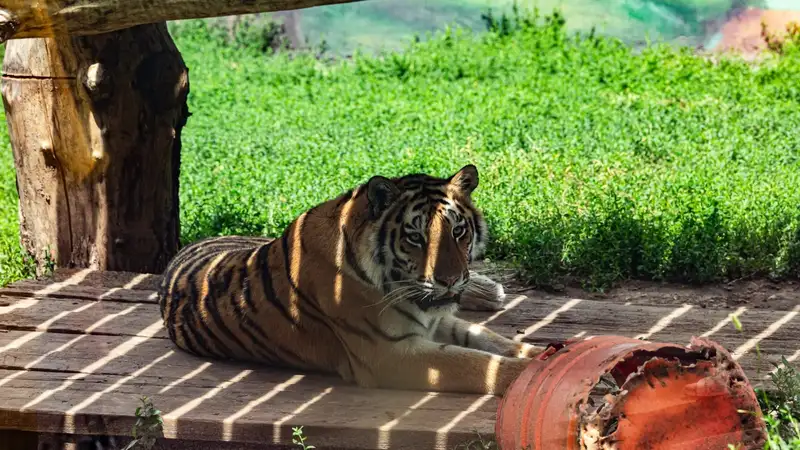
(415, 238)
(459, 231)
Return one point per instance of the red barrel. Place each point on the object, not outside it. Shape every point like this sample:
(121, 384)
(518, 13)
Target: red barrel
(669, 397)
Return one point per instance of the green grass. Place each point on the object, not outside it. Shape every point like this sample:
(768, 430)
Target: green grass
(14, 263)
(595, 162)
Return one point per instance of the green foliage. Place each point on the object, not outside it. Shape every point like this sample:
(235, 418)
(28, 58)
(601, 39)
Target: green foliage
(15, 263)
(49, 264)
(299, 439)
(148, 426)
(596, 162)
(776, 427)
(479, 443)
(781, 407)
(247, 32)
(787, 394)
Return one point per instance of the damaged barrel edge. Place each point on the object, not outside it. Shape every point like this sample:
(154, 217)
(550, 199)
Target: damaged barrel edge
(619, 393)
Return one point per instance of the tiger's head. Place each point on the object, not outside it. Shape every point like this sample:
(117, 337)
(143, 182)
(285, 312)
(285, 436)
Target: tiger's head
(425, 232)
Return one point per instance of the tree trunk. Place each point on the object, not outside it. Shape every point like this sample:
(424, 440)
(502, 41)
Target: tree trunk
(95, 125)
(292, 28)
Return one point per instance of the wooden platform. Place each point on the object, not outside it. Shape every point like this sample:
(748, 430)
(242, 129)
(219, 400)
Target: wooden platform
(78, 351)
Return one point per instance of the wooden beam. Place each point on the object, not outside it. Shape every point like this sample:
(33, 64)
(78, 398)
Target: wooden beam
(25, 18)
(95, 126)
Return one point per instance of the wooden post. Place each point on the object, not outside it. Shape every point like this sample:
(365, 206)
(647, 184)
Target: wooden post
(27, 18)
(95, 125)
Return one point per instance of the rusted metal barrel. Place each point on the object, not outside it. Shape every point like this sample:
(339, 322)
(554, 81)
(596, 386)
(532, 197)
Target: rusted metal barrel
(614, 392)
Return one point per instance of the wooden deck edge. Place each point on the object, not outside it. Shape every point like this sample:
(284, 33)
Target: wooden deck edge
(24, 440)
(78, 306)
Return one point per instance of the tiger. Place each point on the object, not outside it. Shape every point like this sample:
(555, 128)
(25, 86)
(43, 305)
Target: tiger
(364, 286)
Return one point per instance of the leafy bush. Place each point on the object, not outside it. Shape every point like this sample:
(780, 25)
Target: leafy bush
(595, 162)
(781, 407)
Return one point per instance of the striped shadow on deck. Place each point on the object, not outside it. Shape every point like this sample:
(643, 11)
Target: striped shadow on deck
(79, 350)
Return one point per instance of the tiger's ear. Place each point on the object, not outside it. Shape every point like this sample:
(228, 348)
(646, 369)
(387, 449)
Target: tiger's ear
(466, 179)
(381, 193)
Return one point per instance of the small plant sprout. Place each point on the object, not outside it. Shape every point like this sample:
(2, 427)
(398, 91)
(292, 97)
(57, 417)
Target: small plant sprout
(299, 439)
(478, 443)
(49, 266)
(736, 323)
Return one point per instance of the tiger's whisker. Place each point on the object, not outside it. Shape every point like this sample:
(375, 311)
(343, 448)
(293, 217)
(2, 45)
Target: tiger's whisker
(388, 297)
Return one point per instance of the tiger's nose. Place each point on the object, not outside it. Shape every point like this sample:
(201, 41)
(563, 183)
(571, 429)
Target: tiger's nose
(448, 281)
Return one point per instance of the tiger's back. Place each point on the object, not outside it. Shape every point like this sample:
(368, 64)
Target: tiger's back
(224, 298)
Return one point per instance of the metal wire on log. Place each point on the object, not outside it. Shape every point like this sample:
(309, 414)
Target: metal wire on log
(95, 126)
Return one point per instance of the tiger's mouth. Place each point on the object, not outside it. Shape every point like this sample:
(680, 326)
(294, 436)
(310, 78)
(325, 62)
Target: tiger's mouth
(447, 300)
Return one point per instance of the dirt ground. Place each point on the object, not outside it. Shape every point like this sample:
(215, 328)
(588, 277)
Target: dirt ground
(751, 293)
(755, 294)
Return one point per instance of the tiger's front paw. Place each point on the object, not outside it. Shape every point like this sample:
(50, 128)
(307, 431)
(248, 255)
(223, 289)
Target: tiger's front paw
(525, 351)
(482, 294)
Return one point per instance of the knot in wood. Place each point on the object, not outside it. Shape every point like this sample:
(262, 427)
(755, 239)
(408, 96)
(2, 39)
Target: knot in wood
(97, 82)
(48, 155)
(8, 25)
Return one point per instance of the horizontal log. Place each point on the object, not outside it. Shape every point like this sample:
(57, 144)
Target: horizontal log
(25, 19)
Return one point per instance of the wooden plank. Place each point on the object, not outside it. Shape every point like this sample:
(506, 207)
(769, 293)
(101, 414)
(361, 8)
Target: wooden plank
(73, 356)
(772, 333)
(350, 419)
(548, 321)
(588, 316)
(23, 18)
(101, 279)
(46, 358)
(670, 324)
(332, 417)
(335, 415)
(14, 439)
(71, 292)
(75, 316)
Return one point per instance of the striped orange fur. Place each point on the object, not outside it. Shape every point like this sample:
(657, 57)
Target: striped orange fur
(364, 286)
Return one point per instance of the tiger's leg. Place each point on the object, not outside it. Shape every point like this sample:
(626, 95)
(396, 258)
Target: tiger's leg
(482, 294)
(455, 331)
(420, 364)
